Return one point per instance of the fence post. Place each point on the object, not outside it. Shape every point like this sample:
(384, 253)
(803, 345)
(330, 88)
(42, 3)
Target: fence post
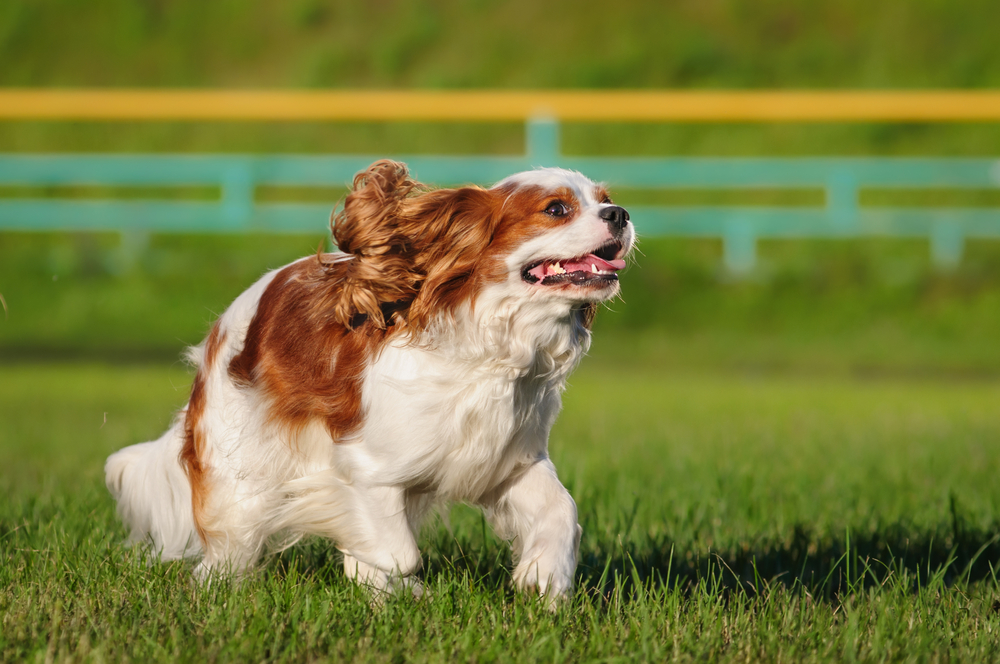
(947, 244)
(133, 243)
(842, 200)
(237, 194)
(541, 136)
(739, 247)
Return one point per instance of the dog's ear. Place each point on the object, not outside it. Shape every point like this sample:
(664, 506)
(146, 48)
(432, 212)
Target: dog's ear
(380, 269)
(367, 226)
(455, 228)
(409, 245)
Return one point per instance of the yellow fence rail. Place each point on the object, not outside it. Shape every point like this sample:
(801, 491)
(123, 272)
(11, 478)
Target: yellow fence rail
(501, 106)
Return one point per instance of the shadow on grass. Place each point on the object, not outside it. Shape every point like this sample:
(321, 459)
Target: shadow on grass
(825, 568)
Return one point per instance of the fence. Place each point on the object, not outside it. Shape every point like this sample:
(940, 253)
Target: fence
(239, 176)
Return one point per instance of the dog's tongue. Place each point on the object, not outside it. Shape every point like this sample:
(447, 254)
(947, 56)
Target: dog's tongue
(586, 264)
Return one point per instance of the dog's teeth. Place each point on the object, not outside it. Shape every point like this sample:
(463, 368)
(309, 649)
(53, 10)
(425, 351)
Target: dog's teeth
(593, 267)
(558, 268)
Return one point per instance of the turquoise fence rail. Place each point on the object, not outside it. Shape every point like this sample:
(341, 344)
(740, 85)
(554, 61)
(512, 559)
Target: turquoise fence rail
(739, 227)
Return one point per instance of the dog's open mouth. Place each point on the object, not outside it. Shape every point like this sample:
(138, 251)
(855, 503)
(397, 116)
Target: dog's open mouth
(597, 268)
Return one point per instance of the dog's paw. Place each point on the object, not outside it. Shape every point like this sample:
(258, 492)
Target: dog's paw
(554, 586)
(379, 583)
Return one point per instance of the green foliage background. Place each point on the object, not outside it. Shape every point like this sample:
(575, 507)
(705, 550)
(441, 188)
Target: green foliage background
(796, 466)
(484, 43)
(868, 306)
(489, 44)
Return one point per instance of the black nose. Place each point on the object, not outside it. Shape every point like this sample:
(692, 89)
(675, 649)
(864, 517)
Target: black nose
(615, 215)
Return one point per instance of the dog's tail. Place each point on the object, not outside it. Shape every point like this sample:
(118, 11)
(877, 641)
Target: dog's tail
(154, 495)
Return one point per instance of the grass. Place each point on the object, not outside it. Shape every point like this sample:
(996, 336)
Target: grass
(727, 517)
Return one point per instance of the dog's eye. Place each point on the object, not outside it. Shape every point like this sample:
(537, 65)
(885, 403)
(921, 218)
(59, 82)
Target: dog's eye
(557, 209)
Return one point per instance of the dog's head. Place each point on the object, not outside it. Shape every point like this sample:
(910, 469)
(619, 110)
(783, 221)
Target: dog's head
(548, 234)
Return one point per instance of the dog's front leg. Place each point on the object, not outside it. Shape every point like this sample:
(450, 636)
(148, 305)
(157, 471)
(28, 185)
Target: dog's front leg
(538, 515)
(380, 551)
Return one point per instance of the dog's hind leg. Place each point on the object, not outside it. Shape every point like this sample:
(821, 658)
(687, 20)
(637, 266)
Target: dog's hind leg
(232, 530)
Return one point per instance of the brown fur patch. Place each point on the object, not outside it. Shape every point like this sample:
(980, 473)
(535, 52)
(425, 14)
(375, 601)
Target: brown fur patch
(191, 452)
(521, 218)
(194, 445)
(601, 194)
(307, 364)
(409, 245)
(216, 339)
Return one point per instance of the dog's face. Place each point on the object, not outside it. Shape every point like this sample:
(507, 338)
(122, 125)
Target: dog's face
(544, 235)
(569, 240)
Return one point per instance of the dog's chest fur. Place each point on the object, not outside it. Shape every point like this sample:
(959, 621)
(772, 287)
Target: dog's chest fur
(462, 418)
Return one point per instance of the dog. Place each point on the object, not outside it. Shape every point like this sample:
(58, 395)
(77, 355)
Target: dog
(347, 394)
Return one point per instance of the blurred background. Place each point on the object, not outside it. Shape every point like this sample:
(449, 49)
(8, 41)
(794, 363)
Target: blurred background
(804, 362)
(813, 305)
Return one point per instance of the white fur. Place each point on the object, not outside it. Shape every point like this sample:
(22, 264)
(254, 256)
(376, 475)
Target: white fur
(153, 494)
(461, 413)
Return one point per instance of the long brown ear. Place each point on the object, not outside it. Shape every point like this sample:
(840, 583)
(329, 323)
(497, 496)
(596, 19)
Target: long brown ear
(380, 270)
(455, 228)
(409, 245)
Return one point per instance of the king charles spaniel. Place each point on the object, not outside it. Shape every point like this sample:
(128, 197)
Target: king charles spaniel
(346, 394)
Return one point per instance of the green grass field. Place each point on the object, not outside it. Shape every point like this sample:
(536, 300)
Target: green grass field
(727, 517)
(796, 467)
